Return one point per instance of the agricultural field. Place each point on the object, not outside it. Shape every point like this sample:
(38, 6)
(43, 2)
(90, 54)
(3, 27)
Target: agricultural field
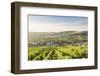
(57, 45)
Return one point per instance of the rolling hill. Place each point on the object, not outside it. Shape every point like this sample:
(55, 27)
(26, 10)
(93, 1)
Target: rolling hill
(59, 38)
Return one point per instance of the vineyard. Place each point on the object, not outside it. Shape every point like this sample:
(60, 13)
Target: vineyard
(57, 46)
(54, 52)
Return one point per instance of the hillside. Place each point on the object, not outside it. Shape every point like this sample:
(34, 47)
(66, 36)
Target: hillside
(59, 38)
(57, 45)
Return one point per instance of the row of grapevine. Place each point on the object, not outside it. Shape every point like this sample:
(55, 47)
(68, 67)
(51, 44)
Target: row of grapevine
(57, 52)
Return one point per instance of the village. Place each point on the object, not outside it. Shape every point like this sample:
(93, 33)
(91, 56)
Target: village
(57, 43)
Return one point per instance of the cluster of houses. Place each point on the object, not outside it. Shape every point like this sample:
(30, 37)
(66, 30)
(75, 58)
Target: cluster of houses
(58, 43)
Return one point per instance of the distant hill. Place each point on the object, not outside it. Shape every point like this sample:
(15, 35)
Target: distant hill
(64, 34)
(33, 35)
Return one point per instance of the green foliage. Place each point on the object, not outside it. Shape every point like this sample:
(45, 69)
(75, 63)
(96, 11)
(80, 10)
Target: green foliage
(58, 52)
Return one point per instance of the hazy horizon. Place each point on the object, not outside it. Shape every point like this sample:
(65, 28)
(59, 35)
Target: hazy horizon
(39, 23)
(60, 31)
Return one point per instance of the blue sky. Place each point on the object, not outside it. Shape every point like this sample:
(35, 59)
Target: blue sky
(40, 23)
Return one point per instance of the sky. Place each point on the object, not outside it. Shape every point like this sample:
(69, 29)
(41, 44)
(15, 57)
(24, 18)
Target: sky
(43, 23)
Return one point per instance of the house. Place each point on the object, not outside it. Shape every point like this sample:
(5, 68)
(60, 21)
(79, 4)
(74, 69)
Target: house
(49, 43)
